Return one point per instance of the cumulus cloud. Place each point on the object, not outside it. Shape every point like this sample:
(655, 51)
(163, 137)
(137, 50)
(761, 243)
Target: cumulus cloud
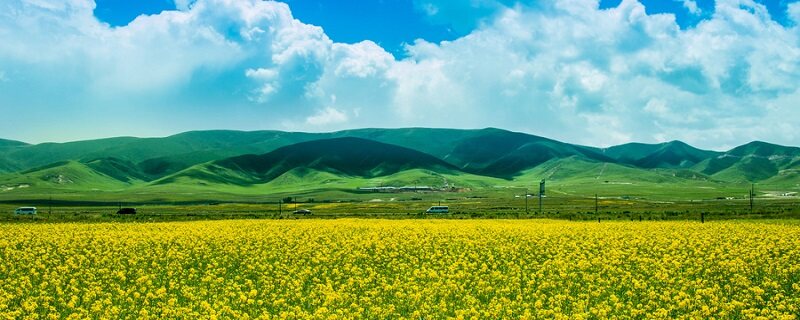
(563, 69)
(183, 5)
(793, 11)
(691, 5)
(569, 70)
(327, 116)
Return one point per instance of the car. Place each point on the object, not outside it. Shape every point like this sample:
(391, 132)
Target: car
(438, 209)
(25, 210)
(126, 211)
(302, 211)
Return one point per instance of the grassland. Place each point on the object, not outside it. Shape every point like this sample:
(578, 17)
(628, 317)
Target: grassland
(623, 194)
(479, 173)
(354, 268)
(412, 205)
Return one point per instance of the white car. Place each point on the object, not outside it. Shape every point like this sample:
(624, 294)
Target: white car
(25, 210)
(302, 211)
(438, 209)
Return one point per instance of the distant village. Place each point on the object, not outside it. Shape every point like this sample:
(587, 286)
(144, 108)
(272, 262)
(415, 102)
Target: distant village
(446, 187)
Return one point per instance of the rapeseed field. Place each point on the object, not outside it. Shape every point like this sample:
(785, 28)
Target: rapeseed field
(431, 269)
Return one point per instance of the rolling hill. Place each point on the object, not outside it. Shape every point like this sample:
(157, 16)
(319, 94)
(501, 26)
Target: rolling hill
(7, 165)
(155, 156)
(752, 162)
(4, 143)
(673, 154)
(349, 157)
(491, 152)
(258, 162)
(69, 175)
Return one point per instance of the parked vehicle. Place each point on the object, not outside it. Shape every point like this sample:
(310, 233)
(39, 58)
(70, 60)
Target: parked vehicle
(438, 209)
(302, 211)
(25, 210)
(126, 211)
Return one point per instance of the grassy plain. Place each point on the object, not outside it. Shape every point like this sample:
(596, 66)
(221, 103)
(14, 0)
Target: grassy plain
(506, 203)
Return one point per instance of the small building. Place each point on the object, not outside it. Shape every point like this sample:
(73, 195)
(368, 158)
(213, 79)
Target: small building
(416, 188)
(378, 189)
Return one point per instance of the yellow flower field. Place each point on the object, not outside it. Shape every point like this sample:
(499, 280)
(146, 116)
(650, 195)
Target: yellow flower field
(343, 269)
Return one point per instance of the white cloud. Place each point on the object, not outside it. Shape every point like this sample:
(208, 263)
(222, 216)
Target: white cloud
(657, 107)
(327, 116)
(570, 71)
(361, 60)
(3, 77)
(562, 69)
(793, 11)
(691, 5)
(183, 5)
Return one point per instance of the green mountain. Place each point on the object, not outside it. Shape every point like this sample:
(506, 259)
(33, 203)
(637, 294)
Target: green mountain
(156, 156)
(751, 162)
(349, 157)
(201, 164)
(68, 175)
(6, 165)
(120, 170)
(4, 143)
(490, 152)
(505, 154)
(630, 152)
(674, 154)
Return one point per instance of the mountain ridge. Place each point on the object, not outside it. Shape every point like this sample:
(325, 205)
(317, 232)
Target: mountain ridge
(231, 157)
(348, 156)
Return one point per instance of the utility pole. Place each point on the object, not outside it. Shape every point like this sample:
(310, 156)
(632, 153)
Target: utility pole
(50, 206)
(752, 194)
(280, 207)
(541, 193)
(595, 203)
(526, 200)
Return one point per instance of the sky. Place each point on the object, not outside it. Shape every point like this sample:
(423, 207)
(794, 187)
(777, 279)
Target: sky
(714, 74)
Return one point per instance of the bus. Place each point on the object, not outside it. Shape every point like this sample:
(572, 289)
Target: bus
(25, 210)
(437, 209)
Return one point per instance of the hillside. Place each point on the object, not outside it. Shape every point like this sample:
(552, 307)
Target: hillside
(4, 143)
(258, 162)
(7, 165)
(751, 162)
(630, 152)
(491, 152)
(673, 154)
(68, 175)
(155, 156)
(349, 157)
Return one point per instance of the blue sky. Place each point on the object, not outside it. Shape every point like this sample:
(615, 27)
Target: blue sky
(712, 73)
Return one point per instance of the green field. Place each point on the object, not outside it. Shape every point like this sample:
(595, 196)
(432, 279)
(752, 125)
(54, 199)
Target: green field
(404, 206)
